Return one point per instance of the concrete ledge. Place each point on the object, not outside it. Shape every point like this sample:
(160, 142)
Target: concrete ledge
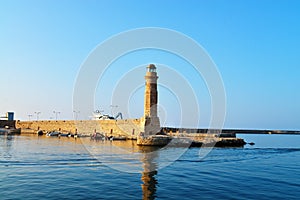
(153, 140)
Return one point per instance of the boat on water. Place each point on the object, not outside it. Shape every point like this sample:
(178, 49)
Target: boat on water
(53, 133)
(64, 134)
(101, 136)
(98, 136)
(60, 134)
(118, 138)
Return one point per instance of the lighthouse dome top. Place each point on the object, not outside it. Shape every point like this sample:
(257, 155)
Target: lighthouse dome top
(151, 68)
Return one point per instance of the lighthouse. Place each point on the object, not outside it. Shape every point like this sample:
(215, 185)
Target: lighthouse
(150, 104)
(151, 120)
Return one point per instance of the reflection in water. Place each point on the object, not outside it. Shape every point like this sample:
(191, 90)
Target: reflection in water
(6, 143)
(116, 154)
(126, 156)
(149, 172)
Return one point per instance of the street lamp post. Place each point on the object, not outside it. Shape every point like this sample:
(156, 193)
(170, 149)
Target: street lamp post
(76, 113)
(37, 115)
(112, 106)
(29, 116)
(56, 114)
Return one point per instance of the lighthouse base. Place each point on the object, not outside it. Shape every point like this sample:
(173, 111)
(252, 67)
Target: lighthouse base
(153, 140)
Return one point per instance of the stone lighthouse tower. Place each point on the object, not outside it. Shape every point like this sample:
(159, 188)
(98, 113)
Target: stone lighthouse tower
(151, 120)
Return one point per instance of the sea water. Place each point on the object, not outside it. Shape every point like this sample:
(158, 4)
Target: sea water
(33, 167)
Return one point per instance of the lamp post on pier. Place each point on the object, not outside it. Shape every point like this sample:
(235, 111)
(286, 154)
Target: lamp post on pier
(29, 116)
(37, 115)
(56, 114)
(111, 111)
(76, 113)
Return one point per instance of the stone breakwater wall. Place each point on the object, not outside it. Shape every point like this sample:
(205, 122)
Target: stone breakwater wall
(128, 127)
(131, 129)
(196, 133)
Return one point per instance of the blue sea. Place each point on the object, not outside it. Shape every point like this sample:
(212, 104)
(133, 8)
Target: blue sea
(33, 167)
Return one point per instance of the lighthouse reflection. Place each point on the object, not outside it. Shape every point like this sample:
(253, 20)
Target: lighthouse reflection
(149, 173)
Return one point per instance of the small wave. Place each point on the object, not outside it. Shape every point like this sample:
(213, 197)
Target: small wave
(73, 162)
(185, 160)
(274, 150)
(240, 155)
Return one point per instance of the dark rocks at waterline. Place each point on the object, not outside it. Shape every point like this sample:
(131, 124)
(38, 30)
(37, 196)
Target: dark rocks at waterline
(40, 132)
(234, 142)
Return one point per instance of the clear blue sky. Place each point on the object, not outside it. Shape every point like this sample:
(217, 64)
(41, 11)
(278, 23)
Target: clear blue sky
(255, 45)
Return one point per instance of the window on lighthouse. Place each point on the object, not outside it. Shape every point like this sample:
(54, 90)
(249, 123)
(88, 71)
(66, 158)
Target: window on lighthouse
(151, 68)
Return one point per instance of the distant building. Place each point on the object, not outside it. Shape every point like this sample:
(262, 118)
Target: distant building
(9, 116)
